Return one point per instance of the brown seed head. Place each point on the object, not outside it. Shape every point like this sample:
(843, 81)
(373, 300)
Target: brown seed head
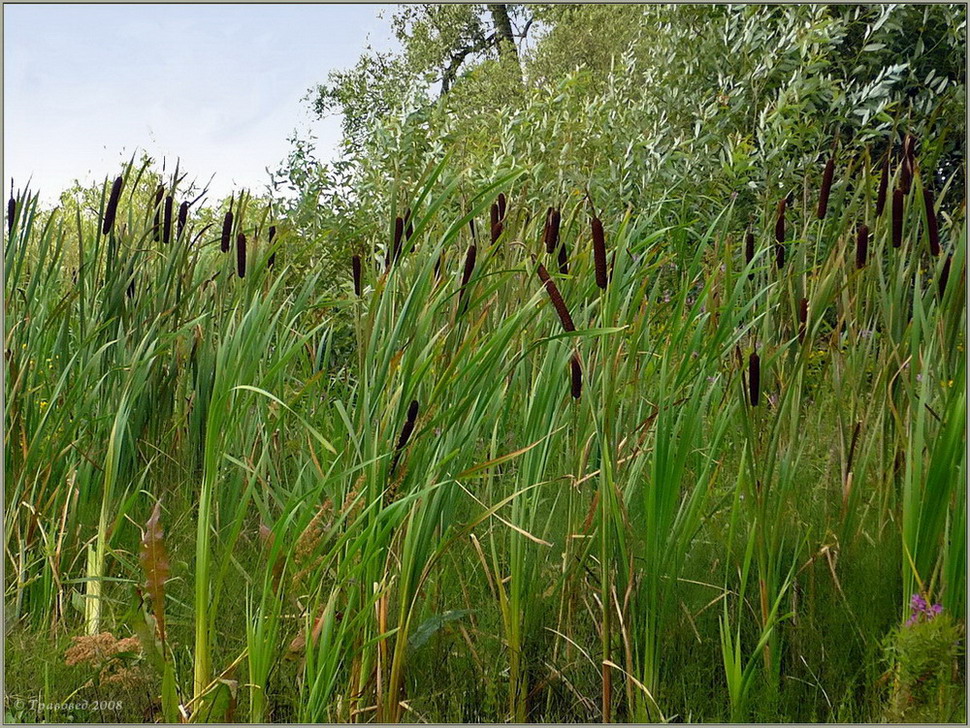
(556, 298)
(754, 378)
(112, 209)
(226, 231)
(932, 226)
(241, 255)
(355, 266)
(167, 228)
(576, 375)
(599, 253)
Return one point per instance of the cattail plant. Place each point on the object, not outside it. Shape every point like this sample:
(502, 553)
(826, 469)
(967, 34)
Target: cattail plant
(563, 258)
(271, 262)
(599, 253)
(883, 186)
(227, 229)
(167, 220)
(11, 211)
(493, 216)
(932, 226)
(899, 198)
(802, 319)
(183, 217)
(157, 227)
(551, 233)
(466, 275)
(908, 164)
(355, 267)
(501, 206)
(405, 433)
(471, 225)
(409, 225)
(754, 378)
(112, 209)
(495, 219)
(241, 255)
(576, 368)
(749, 252)
(398, 236)
(861, 246)
(557, 302)
(945, 275)
(823, 195)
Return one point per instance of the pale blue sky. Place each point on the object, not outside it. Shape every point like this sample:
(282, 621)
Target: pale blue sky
(219, 86)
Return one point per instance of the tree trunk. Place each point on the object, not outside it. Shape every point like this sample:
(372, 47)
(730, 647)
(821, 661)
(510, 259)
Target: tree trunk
(503, 32)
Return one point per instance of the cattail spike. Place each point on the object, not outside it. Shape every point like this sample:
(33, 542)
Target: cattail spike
(466, 275)
(398, 235)
(861, 247)
(780, 221)
(241, 255)
(883, 187)
(405, 433)
(112, 209)
(599, 253)
(563, 259)
(271, 262)
(932, 226)
(557, 301)
(157, 228)
(898, 202)
(182, 218)
(11, 212)
(754, 378)
(167, 228)
(501, 206)
(355, 266)
(497, 229)
(945, 275)
(802, 319)
(551, 233)
(823, 197)
(577, 376)
(226, 231)
(494, 218)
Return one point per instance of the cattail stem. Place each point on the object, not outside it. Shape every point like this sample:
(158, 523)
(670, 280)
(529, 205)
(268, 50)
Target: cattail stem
(823, 196)
(899, 198)
(557, 302)
(932, 226)
(749, 252)
(241, 255)
(754, 379)
(599, 253)
(112, 209)
(355, 267)
(861, 247)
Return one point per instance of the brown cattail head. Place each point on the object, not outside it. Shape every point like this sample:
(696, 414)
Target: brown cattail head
(823, 195)
(271, 262)
(497, 229)
(398, 235)
(883, 186)
(780, 255)
(932, 226)
(802, 319)
(899, 199)
(466, 274)
(226, 231)
(167, 228)
(556, 298)
(241, 255)
(355, 266)
(754, 378)
(749, 251)
(112, 209)
(182, 218)
(577, 376)
(551, 235)
(780, 221)
(471, 224)
(409, 224)
(501, 205)
(493, 216)
(599, 253)
(11, 212)
(157, 229)
(563, 258)
(945, 274)
(405, 432)
(861, 247)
